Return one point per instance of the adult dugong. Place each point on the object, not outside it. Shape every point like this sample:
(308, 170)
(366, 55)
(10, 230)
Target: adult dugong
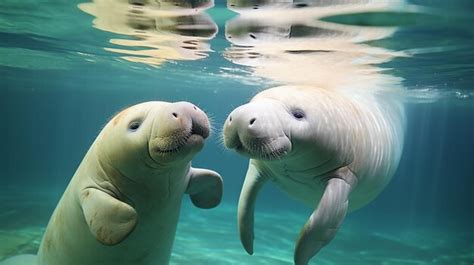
(331, 149)
(123, 203)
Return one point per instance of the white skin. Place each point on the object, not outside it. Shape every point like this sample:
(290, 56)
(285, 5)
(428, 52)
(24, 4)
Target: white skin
(123, 203)
(330, 151)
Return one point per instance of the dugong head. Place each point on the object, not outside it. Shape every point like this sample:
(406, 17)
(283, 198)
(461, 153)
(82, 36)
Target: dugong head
(285, 122)
(153, 135)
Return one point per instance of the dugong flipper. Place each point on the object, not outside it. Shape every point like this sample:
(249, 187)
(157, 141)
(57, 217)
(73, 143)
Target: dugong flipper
(204, 188)
(326, 219)
(109, 219)
(254, 181)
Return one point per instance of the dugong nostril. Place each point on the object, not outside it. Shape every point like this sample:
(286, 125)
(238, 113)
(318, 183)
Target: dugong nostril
(137, 2)
(252, 121)
(230, 118)
(175, 114)
(194, 107)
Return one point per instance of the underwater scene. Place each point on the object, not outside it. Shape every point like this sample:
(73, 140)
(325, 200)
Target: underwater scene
(320, 132)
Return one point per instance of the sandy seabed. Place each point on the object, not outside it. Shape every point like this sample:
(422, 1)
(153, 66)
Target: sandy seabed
(210, 237)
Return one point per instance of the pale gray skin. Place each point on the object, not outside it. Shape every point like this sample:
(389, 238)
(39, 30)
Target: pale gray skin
(332, 150)
(122, 205)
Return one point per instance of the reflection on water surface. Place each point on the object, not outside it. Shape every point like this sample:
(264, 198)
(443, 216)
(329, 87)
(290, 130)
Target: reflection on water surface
(158, 31)
(297, 48)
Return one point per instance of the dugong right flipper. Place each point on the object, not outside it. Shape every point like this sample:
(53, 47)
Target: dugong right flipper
(328, 216)
(253, 183)
(109, 219)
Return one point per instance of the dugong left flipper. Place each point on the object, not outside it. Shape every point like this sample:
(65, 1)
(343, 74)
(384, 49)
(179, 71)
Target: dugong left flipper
(204, 188)
(326, 219)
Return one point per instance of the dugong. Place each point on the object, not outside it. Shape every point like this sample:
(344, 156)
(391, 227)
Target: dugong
(122, 204)
(334, 150)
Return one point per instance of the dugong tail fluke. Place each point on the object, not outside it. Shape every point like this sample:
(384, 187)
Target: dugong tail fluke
(328, 216)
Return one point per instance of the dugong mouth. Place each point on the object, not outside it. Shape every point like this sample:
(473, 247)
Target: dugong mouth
(179, 141)
(264, 148)
(175, 145)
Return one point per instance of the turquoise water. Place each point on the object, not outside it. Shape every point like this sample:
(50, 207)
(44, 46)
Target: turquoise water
(66, 70)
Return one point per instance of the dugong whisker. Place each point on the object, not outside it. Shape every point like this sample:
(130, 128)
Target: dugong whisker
(264, 150)
(177, 143)
(220, 138)
(212, 129)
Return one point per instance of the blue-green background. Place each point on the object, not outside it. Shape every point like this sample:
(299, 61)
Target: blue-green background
(54, 101)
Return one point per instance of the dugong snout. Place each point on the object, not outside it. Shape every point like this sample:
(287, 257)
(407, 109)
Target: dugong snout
(254, 129)
(196, 117)
(181, 124)
(244, 122)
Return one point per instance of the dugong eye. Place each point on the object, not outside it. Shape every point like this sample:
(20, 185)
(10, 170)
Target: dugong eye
(298, 114)
(134, 125)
